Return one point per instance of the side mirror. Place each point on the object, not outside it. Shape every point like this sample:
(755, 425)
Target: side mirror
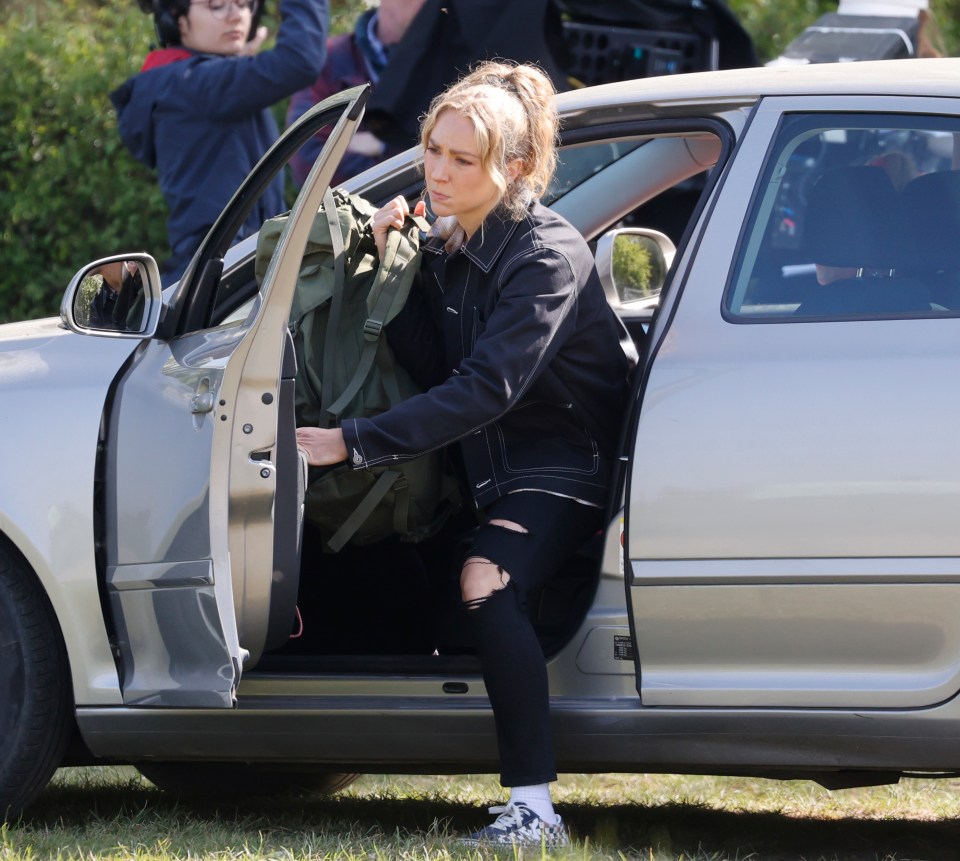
(633, 263)
(118, 295)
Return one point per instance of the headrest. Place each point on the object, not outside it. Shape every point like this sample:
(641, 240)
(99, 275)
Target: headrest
(931, 206)
(853, 219)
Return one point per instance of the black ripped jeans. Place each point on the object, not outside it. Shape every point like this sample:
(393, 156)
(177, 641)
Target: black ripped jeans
(514, 669)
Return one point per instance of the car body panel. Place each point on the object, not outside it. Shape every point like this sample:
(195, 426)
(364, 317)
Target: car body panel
(170, 591)
(410, 735)
(712, 92)
(51, 438)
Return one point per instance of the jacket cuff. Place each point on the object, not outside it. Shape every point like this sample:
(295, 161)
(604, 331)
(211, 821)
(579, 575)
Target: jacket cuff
(351, 439)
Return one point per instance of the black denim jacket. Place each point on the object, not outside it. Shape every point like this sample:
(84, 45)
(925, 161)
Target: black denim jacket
(519, 353)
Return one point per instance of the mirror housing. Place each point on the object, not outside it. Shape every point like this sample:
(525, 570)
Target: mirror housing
(117, 296)
(633, 263)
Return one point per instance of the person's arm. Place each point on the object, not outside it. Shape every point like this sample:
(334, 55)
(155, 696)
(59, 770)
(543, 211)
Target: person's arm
(226, 88)
(344, 68)
(413, 335)
(531, 320)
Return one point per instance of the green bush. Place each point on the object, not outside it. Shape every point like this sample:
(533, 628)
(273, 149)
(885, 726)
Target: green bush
(773, 24)
(69, 191)
(636, 272)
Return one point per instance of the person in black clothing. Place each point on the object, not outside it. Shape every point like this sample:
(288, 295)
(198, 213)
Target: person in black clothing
(509, 331)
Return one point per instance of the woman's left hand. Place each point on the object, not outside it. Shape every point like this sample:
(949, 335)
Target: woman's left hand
(250, 48)
(391, 215)
(322, 446)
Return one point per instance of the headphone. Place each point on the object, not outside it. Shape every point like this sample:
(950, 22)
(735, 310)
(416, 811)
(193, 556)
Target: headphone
(168, 30)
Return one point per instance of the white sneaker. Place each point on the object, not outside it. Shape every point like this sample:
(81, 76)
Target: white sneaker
(518, 825)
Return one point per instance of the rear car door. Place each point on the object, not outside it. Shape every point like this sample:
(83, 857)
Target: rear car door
(198, 467)
(791, 504)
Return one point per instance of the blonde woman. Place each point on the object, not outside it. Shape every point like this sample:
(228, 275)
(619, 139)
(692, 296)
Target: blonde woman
(510, 334)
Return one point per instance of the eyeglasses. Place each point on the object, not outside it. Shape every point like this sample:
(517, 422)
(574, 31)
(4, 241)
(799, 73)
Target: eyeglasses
(220, 8)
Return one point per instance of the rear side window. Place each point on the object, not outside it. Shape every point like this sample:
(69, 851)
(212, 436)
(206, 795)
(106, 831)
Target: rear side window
(856, 218)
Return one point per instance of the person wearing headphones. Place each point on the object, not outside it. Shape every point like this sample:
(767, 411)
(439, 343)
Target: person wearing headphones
(198, 111)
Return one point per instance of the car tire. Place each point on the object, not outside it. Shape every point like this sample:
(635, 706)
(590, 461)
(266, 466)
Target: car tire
(234, 781)
(35, 690)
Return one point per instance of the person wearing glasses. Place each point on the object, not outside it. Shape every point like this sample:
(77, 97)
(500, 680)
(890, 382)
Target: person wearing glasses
(198, 111)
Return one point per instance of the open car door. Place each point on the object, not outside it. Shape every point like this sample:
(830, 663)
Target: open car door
(200, 462)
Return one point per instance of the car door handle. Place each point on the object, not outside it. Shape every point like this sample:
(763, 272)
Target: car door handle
(203, 399)
(202, 403)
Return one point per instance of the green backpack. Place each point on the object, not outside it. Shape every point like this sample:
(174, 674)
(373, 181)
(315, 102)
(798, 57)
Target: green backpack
(345, 369)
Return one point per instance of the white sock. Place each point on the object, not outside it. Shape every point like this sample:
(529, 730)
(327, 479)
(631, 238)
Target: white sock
(537, 798)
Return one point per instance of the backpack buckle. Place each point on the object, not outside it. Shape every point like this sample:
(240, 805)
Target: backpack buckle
(372, 329)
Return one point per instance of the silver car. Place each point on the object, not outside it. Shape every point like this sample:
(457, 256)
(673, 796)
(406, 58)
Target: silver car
(777, 591)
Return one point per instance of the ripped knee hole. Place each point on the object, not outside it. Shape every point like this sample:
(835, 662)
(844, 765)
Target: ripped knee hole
(480, 575)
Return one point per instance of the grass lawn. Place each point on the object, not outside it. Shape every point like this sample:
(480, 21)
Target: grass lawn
(112, 813)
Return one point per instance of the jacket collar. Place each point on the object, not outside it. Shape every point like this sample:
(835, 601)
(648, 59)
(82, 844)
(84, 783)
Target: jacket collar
(165, 56)
(486, 245)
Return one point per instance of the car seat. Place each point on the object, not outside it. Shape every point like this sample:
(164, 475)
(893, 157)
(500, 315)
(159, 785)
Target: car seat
(931, 207)
(854, 220)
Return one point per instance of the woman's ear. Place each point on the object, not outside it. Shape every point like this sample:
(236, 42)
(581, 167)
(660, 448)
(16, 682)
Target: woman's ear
(183, 22)
(514, 169)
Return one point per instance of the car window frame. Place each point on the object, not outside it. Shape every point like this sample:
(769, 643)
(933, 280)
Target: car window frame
(765, 195)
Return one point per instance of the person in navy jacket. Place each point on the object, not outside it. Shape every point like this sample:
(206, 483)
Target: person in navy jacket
(509, 329)
(198, 112)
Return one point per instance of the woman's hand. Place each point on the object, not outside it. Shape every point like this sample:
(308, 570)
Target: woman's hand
(322, 446)
(392, 215)
(250, 48)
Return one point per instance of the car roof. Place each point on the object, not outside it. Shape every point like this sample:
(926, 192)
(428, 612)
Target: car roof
(927, 77)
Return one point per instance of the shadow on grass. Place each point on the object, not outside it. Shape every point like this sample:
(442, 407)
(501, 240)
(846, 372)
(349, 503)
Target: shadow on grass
(665, 831)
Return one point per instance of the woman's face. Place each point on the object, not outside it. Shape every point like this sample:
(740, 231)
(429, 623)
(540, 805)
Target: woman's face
(226, 33)
(456, 180)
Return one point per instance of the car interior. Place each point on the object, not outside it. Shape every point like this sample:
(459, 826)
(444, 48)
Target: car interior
(856, 221)
(392, 605)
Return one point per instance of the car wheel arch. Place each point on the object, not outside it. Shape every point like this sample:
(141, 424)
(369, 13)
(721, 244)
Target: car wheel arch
(37, 712)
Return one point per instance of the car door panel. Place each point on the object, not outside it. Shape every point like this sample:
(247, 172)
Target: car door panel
(162, 585)
(192, 469)
(789, 517)
(799, 644)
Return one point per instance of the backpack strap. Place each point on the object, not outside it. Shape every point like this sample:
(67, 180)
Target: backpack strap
(369, 502)
(336, 307)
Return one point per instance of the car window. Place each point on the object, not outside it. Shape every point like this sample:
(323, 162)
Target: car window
(854, 219)
(647, 181)
(577, 164)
